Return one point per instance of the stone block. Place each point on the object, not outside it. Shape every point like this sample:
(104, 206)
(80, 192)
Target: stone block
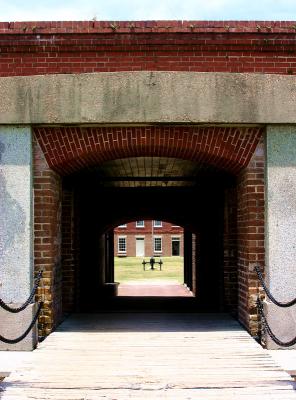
(282, 322)
(13, 325)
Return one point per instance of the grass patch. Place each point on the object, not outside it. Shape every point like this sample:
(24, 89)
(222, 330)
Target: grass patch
(131, 269)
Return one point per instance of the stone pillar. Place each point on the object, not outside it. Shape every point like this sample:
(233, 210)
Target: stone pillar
(281, 229)
(16, 269)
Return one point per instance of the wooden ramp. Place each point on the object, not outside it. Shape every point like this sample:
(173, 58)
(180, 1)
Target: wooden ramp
(149, 356)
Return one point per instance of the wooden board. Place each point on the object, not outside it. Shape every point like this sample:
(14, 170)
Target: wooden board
(149, 356)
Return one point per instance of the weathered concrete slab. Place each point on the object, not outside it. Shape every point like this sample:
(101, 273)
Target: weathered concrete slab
(149, 356)
(281, 228)
(148, 97)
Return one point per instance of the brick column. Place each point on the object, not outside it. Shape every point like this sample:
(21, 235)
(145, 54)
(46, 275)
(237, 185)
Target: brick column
(47, 240)
(250, 237)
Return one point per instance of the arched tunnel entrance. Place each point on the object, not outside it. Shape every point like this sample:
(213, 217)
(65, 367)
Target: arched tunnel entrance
(208, 180)
(198, 208)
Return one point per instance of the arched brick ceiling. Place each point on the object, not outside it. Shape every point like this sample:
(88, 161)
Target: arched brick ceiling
(149, 172)
(71, 149)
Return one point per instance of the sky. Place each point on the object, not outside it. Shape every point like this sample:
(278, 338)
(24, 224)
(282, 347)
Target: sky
(116, 10)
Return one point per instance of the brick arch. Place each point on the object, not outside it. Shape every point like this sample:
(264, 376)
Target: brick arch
(70, 149)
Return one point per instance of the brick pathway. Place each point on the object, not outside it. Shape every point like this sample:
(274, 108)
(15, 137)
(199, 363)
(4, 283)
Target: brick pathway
(153, 288)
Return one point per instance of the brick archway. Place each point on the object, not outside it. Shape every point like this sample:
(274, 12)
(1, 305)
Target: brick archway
(70, 149)
(61, 151)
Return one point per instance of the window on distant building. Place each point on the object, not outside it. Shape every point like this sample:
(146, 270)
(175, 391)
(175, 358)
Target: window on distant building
(122, 226)
(157, 244)
(121, 244)
(157, 224)
(140, 224)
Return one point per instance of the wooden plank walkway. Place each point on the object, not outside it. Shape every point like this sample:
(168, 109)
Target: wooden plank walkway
(149, 356)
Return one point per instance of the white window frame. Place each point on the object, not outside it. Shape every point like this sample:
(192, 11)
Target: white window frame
(154, 240)
(141, 225)
(122, 226)
(157, 225)
(118, 245)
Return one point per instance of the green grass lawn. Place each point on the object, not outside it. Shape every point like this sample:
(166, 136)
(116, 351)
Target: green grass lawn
(131, 269)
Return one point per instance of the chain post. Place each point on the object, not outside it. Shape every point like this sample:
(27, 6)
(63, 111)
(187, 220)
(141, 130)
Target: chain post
(42, 316)
(31, 299)
(265, 328)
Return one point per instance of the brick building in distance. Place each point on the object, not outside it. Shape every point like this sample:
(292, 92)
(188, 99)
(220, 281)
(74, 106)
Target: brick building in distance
(148, 237)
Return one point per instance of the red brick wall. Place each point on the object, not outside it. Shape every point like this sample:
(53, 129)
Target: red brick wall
(47, 239)
(37, 48)
(250, 236)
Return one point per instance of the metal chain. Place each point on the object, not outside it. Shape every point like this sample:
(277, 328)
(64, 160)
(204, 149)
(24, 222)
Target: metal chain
(21, 337)
(6, 307)
(267, 328)
(269, 295)
(41, 320)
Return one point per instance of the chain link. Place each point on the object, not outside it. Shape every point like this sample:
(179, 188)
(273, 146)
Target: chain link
(6, 307)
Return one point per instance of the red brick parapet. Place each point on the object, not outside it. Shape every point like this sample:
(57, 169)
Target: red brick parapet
(74, 47)
(162, 26)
